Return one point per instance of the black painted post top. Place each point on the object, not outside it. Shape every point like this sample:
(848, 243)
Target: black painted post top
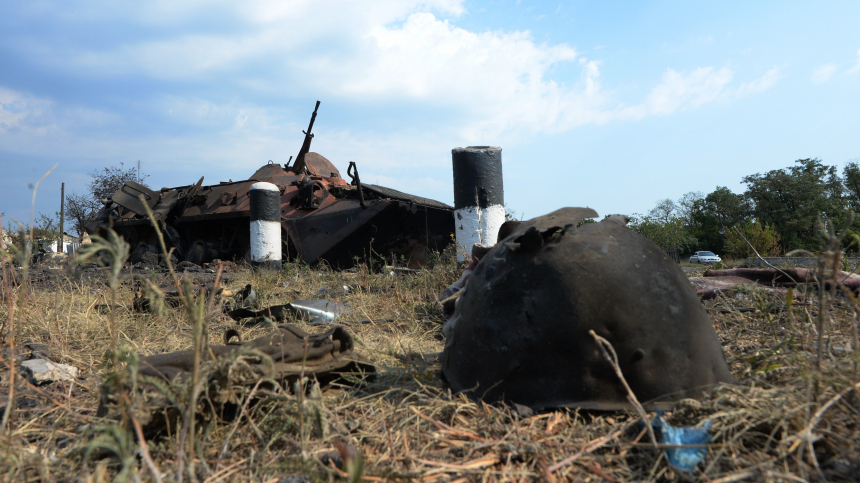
(265, 202)
(478, 176)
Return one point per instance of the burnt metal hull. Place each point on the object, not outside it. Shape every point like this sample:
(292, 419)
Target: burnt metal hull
(387, 228)
(323, 219)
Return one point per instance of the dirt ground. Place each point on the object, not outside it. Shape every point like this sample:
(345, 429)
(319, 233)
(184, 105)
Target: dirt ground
(791, 417)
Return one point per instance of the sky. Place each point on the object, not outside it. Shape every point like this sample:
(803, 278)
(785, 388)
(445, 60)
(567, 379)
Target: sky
(610, 105)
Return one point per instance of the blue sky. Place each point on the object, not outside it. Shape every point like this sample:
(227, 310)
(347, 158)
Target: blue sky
(612, 105)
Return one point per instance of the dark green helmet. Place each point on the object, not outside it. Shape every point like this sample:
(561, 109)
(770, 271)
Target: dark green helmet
(520, 332)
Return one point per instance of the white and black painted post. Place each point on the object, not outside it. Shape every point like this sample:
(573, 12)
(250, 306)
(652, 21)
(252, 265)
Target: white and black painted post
(479, 196)
(265, 224)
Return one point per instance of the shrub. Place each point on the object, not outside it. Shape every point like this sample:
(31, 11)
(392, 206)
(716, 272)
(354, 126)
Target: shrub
(764, 238)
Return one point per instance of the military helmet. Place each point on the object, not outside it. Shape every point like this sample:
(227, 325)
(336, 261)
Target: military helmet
(520, 331)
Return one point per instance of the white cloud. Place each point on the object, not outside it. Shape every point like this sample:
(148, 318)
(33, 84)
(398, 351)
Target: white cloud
(429, 57)
(367, 13)
(281, 35)
(499, 83)
(498, 78)
(678, 91)
(823, 73)
(856, 66)
(19, 111)
(761, 84)
(42, 126)
(494, 86)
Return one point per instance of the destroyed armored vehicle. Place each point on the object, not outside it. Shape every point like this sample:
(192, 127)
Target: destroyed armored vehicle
(323, 217)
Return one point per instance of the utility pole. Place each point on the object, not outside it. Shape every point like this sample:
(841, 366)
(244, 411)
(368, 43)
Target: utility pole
(62, 212)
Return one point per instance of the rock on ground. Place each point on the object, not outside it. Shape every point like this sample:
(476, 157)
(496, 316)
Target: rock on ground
(41, 371)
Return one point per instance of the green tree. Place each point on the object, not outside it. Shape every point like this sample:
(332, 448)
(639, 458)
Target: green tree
(664, 212)
(718, 211)
(764, 238)
(665, 232)
(688, 205)
(793, 199)
(851, 178)
(666, 224)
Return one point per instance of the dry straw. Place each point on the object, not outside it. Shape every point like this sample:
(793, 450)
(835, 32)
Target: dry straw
(405, 425)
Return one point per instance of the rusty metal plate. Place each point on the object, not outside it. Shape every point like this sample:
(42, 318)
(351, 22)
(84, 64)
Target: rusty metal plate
(228, 198)
(318, 165)
(128, 196)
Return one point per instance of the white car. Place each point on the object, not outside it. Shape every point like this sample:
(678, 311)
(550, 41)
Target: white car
(705, 257)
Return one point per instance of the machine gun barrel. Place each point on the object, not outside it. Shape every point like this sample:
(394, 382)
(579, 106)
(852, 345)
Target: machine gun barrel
(299, 166)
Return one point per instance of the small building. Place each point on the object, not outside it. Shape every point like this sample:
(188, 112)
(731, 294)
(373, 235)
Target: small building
(70, 244)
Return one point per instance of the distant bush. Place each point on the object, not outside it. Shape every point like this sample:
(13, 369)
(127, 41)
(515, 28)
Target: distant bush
(669, 232)
(764, 238)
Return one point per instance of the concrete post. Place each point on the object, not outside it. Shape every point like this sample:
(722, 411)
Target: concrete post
(60, 246)
(479, 196)
(265, 224)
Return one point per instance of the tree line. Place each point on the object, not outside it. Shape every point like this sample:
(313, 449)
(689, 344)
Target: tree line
(780, 210)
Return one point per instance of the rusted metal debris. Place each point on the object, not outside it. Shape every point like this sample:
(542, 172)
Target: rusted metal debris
(281, 358)
(323, 217)
(520, 331)
(716, 282)
(317, 312)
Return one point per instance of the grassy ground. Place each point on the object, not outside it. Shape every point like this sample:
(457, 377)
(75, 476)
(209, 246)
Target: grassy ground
(792, 417)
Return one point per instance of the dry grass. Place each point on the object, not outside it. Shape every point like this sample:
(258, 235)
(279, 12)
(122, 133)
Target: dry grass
(785, 421)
